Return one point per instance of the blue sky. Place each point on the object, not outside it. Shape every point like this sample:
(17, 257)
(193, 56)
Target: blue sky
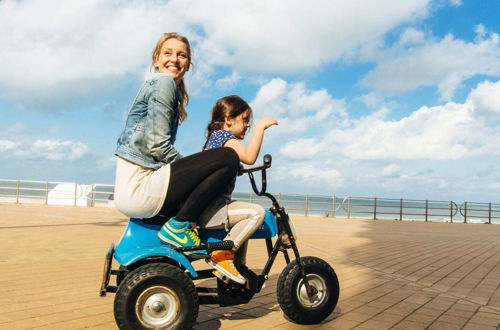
(374, 98)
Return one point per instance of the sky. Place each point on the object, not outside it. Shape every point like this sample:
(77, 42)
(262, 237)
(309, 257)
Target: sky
(394, 99)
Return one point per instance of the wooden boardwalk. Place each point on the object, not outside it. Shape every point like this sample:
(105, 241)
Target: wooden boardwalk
(393, 275)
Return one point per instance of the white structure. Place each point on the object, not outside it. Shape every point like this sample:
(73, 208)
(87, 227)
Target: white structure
(70, 194)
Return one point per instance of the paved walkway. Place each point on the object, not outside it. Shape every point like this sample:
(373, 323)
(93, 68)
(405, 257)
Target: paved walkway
(393, 275)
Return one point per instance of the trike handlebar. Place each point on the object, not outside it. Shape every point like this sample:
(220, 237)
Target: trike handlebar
(267, 164)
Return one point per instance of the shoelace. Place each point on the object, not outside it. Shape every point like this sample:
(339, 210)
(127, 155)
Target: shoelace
(231, 265)
(193, 233)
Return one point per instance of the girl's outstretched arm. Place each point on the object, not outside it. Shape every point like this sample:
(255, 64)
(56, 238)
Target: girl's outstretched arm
(248, 154)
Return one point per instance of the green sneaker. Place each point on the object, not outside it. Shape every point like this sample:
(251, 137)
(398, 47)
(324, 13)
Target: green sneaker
(180, 234)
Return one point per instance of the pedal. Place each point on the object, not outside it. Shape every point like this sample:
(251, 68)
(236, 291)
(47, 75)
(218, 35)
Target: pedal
(221, 277)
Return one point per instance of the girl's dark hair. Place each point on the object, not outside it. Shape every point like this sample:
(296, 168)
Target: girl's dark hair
(228, 106)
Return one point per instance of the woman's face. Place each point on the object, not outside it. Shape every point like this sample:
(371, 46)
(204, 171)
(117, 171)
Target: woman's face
(173, 59)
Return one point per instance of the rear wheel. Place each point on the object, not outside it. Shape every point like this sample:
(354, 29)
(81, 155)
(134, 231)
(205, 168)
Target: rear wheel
(156, 296)
(293, 298)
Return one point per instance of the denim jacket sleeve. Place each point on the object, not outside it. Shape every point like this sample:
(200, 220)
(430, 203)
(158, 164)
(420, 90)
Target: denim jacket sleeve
(162, 121)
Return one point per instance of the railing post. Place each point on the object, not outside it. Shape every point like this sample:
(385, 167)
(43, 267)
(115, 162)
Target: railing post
(375, 208)
(451, 211)
(489, 213)
(93, 195)
(333, 210)
(307, 206)
(401, 209)
(426, 209)
(74, 196)
(349, 208)
(17, 192)
(46, 192)
(465, 212)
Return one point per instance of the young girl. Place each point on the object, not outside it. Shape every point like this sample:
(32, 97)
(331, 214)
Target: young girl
(231, 117)
(152, 178)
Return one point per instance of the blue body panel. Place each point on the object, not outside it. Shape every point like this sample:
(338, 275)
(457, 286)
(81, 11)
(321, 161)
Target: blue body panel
(140, 241)
(269, 228)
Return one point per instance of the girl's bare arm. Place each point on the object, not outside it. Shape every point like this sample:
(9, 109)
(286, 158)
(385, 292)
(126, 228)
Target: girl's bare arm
(248, 154)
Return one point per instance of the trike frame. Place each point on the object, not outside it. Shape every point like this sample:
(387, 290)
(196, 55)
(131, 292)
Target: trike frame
(300, 301)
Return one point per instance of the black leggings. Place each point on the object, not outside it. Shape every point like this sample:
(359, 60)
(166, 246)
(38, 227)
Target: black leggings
(197, 180)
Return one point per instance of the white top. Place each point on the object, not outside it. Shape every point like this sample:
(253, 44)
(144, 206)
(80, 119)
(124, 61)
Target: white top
(140, 191)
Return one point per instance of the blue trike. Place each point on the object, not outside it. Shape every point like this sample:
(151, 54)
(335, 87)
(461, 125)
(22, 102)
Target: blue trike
(154, 282)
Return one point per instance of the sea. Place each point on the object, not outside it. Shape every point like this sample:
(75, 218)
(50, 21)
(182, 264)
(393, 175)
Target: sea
(381, 208)
(65, 193)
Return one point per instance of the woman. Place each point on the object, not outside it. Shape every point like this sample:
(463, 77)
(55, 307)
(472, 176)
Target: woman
(152, 178)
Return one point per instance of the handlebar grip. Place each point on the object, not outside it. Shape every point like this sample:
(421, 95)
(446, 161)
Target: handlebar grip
(223, 245)
(267, 160)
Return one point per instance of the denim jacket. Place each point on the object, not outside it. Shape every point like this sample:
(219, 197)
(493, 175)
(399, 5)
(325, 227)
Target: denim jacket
(151, 126)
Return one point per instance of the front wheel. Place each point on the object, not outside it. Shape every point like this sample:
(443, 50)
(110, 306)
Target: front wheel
(297, 305)
(156, 296)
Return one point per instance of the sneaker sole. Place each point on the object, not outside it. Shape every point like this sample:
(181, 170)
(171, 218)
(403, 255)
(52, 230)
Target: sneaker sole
(232, 277)
(164, 240)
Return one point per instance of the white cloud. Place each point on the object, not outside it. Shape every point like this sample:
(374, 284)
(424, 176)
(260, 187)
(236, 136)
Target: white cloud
(297, 108)
(44, 149)
(6, 145)
(371, 100)
(446, 132)
(106, 162)
(271, 98)
(301, 149)
(311, 174)
(62, 53)
(486, 98)
(428, 133)
(411, 37)
(445, 63)
(392, 170)
(428, 151)
(14, 130)
(228, 82)
(84, 49)
(293, 36)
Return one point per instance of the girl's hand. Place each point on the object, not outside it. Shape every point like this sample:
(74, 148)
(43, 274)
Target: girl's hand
(248, 154)
(266, 122)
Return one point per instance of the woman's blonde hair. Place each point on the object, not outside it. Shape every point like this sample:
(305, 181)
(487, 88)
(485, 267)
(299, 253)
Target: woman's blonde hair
(182, 86)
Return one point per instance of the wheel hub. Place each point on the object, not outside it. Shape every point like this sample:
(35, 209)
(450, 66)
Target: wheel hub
(157, 306)
(319, 290)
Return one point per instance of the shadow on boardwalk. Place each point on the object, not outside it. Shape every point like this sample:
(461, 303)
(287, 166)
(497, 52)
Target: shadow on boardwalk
(393, 275)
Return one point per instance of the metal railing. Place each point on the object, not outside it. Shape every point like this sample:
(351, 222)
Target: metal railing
(55, 193)
(64, 193)
(480, 212)
(316, 205)
(399, 209)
